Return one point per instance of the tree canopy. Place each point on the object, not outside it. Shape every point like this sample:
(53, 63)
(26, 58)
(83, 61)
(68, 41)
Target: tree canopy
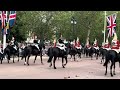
(45, 24)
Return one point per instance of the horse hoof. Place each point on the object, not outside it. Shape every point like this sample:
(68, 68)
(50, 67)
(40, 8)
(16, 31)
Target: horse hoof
(63, 67)
(105, 74)
(55, 68)
(111, 75)
(114, 74)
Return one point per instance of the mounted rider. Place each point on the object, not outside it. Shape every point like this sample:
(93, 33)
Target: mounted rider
(115, 44)
(61, 44)
(96, 44)
(12, 43)
(78, 46)
(35, 43)
(88, 44)
(106, 45)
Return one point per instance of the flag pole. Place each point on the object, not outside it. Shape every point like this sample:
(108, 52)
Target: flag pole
(104, 26)
(4, 35)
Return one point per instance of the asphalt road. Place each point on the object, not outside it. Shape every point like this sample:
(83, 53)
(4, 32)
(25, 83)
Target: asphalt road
(85, 68)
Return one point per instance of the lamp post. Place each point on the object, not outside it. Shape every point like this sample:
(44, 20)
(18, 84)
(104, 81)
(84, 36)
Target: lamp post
(73, 22)
(44, 21)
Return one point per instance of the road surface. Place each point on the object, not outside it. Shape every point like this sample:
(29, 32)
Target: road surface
(85, 68)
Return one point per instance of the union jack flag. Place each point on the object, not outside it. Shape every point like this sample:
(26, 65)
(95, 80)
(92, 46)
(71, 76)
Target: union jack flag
(12, 18)
(0, 19)
(111, 24)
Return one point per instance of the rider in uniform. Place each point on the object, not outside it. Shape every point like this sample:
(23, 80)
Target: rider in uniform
(96, 44)
(61, 45)
(115, 44)
(36, 42)
(12, 43)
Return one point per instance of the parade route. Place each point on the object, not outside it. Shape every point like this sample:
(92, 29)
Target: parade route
(83, 69)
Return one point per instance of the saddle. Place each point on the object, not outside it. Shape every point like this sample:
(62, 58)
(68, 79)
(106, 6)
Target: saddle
(61, 47)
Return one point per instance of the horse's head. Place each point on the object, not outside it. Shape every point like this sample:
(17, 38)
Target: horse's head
(41, 45)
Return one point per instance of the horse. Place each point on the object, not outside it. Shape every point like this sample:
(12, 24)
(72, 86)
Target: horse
(95, 51)
(11, 50)
(86, 51)
(114, 57)
(56, 52)
(32, 50)
(103, 54)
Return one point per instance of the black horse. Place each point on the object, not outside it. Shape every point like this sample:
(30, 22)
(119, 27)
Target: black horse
(56, 52)
(11, 50)
(86, 51)
(79, 52)
(94, 51)
(103, 54)
(114, 57)
(32, 50)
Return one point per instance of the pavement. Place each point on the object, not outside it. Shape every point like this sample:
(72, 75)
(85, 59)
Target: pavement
(84, 68)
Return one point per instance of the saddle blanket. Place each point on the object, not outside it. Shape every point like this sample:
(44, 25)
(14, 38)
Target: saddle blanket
(62, 48)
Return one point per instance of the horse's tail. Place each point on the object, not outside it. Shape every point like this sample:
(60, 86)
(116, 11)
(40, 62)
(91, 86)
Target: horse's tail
(7, 52)
(107, 57)
(50, 54)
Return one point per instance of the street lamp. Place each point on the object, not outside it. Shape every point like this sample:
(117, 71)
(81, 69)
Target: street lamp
(44, 21)
(73, 22)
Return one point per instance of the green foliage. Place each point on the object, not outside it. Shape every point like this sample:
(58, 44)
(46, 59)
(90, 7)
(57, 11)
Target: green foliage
(45, 23)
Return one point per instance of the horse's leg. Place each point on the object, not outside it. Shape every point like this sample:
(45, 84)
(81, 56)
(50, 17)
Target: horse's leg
(97, 57)
(63, 62)
(18, 57)
(50, 64)
(28, 60)
(102, 59)
(54, 62)
(1, 58)
(41, 58)
(119, 63)
(8, 57)
(112, 63)
(91, 56)
(74, 57)
(106, 69)
(114, 69)
(35, 58)
(13, 58)
(66, 60)
(25, 60)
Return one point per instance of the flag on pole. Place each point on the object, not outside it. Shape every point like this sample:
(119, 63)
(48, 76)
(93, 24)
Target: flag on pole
(12, 18)
(0, 19)
(3, 21)
(111, 24)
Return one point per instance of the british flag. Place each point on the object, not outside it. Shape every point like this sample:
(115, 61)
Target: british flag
(3, 19)
(0, 19)
(12, 18)
(111, 24)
